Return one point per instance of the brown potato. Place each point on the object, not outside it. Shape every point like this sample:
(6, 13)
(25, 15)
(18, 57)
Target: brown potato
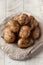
(36, 33)
(14, 26)
(22, 29)
(24, 32)
(23, 19)
(33, 22)
(9, 23)
(23, 43)
(8, 35)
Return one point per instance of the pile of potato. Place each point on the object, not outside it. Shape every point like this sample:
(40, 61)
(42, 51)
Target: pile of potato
(22, 29)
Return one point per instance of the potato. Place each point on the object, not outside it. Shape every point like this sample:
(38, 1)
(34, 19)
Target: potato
(14, 26)
(22, 29)
(24, 32)
(23, 43)
(36, 33)
(33, 22)
(8, 35)
(23, 19)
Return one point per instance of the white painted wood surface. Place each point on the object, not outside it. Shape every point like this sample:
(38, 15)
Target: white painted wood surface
(34, 7)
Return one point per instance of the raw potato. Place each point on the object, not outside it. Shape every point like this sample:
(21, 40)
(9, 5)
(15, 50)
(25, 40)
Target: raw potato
(9, 23)
(8, 35)
(14, 26)
(23, 19)
(22, 29)
(33, 22)
(24, 32)
(23, 43)
(36, 33)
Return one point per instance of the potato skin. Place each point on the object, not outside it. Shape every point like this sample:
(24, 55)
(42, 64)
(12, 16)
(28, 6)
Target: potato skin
(36, 33)
(24, 43)
(33, 22)
(13, 24)
(23, 19)
(24, 32)
(8, 35)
